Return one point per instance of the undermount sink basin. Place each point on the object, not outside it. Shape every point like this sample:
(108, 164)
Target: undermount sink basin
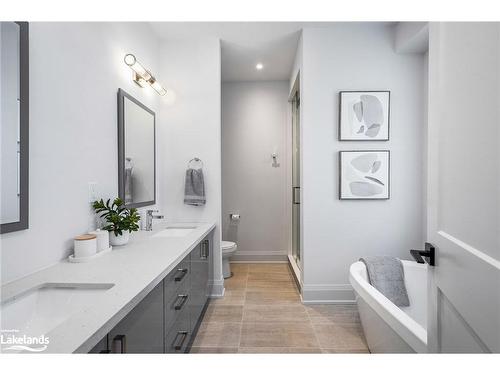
(43, 308)
(175, 231)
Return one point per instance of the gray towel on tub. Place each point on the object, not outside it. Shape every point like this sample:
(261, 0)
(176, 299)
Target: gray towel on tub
(194, 190)
(386, 274)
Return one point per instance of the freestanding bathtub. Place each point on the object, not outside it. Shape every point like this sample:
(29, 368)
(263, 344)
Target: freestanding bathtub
(388, 328)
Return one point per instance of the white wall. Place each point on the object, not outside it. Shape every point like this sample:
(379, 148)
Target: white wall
(75, 72)
(254, 125)
(297, 62)
(336, 233)
(191, 118)
(411, 37)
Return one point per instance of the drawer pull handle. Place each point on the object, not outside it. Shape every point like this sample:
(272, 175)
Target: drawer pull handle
(183, 298)
(181, 273)
(119, 344)
(178, 344)
(204, 249)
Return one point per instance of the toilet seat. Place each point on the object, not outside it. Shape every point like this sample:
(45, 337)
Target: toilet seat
(228, 246)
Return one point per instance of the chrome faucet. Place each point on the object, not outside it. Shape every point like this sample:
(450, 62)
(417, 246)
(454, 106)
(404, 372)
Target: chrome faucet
(149, 219)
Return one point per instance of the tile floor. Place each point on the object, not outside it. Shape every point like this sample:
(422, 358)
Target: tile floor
(261, 312)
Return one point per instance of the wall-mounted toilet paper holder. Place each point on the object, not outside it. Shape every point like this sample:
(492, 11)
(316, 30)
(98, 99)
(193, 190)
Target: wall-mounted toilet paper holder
(234, 217)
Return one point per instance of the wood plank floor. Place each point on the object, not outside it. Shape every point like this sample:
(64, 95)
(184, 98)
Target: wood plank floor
(261, 312)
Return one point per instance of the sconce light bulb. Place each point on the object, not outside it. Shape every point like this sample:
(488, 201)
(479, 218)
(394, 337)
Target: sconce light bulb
(132, 62)
(157, 87)
(129, 59)
(142, 76)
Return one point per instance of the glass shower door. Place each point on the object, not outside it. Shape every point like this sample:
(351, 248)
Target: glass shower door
(296, 253)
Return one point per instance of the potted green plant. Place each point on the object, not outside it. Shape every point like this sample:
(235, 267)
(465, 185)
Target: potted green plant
(121, 221)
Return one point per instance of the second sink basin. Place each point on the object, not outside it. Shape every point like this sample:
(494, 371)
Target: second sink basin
(43, 308)
(175, 231)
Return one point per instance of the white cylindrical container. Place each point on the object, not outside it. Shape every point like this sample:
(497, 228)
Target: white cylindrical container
(102, 239)
(85, 245)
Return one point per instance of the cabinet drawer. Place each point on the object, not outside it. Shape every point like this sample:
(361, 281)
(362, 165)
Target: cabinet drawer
(177, 305)
(177, 339)
(141, 330)
(201, 252)
(177, 278)
(199, 281)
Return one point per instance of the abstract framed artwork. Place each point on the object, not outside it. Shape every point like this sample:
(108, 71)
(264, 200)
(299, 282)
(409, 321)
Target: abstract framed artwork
(364, 115)
(364, 175)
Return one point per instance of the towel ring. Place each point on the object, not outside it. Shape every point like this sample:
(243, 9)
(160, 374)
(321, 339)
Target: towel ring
(196, 160)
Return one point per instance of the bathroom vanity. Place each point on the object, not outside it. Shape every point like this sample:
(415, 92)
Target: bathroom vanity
(148, 296)
(166, 320)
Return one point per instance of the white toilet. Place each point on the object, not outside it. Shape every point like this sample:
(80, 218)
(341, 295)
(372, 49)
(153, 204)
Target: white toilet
(228, 249)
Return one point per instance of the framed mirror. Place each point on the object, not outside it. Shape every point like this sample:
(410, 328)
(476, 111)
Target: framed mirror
(14, 119)
(136, 152)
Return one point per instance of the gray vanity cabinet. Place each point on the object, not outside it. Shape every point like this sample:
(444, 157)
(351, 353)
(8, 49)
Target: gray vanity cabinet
(184, 311)
(167, 319)
(179, 336)
(177, 288)
(199, 281)
(141, 330)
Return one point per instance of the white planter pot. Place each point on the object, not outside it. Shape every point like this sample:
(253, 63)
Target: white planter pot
(115, 240)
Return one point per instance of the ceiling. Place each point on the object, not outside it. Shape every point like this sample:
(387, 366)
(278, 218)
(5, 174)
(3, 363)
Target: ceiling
(244, 44)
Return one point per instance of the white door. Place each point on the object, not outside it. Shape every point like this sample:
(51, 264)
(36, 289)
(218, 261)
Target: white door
(464, 187)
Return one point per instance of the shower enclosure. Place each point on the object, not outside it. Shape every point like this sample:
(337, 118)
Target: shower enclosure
(296, 251)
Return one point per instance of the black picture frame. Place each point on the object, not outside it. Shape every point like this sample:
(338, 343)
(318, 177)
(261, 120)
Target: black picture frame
(388, 175)
(24, 107)
(121, 95)
(339, 127)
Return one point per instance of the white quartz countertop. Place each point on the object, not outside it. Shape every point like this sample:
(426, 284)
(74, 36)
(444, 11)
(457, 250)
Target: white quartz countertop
(134, 269)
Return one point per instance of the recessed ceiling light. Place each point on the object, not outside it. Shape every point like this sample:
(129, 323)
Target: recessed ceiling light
(259, 66)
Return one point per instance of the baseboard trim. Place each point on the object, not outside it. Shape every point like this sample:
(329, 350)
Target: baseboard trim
(294, 267)
(259, 256)
(295, 273)
(217, 288)
(259, 261)
(328, 294)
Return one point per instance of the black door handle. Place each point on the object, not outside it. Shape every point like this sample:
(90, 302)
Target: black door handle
(429, 253)
(296, 195)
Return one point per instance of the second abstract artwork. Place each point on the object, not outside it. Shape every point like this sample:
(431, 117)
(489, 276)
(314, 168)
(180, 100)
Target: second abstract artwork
(364, 174)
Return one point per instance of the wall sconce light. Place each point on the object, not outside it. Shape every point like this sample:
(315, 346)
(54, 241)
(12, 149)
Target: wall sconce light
(142, 76)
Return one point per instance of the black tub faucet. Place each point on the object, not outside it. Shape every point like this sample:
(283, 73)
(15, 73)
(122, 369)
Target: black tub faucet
(429, 253)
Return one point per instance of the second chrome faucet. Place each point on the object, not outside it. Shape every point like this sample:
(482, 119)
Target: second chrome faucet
(149, 219)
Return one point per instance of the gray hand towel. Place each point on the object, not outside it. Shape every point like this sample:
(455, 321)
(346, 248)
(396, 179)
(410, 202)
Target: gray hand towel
(128, 185)
(386, 274)
(194, 190)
